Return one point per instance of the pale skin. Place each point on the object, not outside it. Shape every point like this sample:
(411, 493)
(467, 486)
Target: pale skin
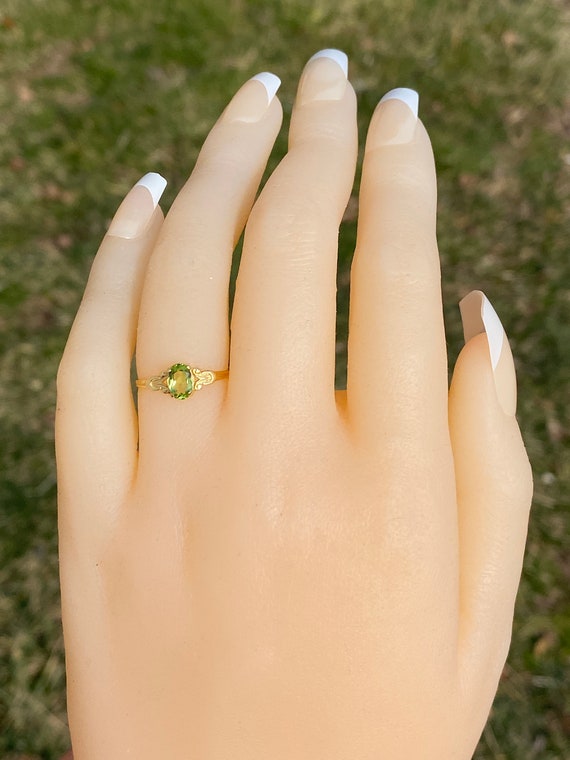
(280, 570)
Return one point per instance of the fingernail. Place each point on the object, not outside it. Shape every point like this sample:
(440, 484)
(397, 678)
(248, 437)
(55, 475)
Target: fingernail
(478, 315)
(324, 77)
(135, 212)
(395, 118)
(251, 101)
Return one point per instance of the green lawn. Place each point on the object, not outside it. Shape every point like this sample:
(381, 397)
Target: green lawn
(94, 94)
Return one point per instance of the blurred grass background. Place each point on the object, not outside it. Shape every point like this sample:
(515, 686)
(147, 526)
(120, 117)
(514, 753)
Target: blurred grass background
(95, 94)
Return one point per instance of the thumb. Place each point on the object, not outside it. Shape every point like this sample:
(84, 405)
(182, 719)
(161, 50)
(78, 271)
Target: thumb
(494, 490)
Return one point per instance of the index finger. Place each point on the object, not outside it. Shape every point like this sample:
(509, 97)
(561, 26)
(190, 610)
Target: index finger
(96, 425)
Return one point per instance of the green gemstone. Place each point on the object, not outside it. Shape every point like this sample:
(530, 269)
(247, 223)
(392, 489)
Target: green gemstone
(179, 381)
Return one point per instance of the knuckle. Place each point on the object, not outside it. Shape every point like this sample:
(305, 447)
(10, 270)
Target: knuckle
(222, 161)
(75, 373)
(64, 371)
(409, 263)
(290, 217)
(514, 488)
(405, 175)
(224, 157)
(319, 133)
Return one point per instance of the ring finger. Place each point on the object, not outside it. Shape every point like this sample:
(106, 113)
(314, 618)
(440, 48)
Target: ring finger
(184, 307)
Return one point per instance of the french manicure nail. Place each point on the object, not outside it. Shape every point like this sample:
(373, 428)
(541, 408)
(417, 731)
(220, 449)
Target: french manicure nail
(395, 118)
(478, 316)
(137, 208)
(250, 103)
(324, 76)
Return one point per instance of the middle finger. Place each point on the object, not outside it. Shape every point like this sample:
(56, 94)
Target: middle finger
(284, 315)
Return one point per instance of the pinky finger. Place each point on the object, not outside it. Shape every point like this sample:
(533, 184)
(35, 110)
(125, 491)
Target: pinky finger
(494, 491)
(96, 426)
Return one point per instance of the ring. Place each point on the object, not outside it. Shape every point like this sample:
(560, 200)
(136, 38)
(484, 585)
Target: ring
(181, 380)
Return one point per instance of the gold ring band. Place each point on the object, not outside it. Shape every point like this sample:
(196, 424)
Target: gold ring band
(181, 380)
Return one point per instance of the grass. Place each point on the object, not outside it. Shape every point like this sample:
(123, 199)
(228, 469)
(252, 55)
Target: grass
(92, 95)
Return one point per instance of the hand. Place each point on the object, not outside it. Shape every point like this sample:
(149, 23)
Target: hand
(281, 570)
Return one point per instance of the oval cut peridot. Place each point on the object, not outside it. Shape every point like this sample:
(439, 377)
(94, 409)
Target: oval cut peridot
(179, 381)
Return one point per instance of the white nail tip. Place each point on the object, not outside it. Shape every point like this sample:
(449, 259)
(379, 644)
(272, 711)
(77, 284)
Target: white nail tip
(155, 184)
(409, 97)
(494, 330)
(271, 83)
(336, 55)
